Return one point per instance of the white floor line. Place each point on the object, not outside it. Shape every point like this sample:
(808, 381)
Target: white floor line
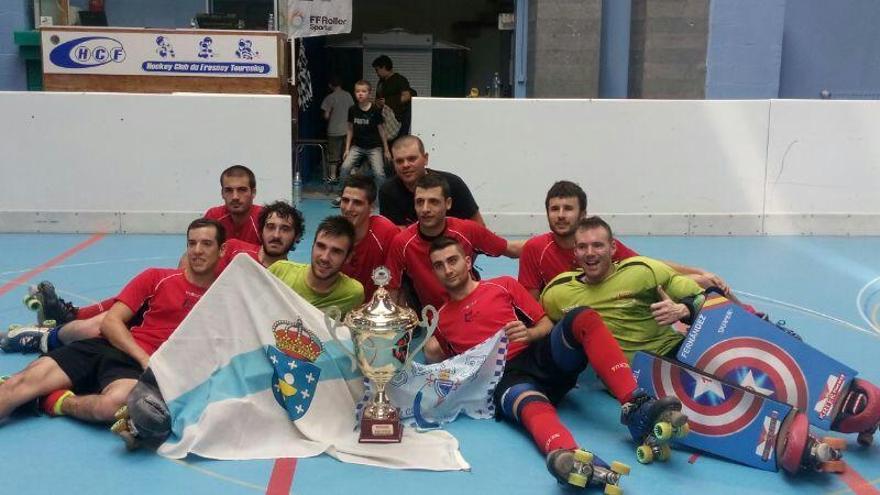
(809, 311)
(872, 319)
(90, 263)
(208, 472)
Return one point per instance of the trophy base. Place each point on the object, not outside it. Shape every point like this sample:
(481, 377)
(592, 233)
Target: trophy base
(388, 430)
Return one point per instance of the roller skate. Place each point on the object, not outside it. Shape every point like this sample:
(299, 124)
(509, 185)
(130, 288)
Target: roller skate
(579, 469)
(25, 339)
(800, 449)
(860, 411)
(653, 423)
(42, 299)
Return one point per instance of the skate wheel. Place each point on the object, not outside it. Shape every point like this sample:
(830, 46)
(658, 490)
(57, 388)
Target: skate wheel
(832, 467)
(683, 430)
(583, 457)
(121, 413)
(32, 303)
(865, 439)
(620, 468)
(613, 490)
(663, 431)
(644, 454)
(577, 479)
(835, 442)
(119, 427)
(665, 453)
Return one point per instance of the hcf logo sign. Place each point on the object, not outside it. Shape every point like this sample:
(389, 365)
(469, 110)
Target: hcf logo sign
(91, 51)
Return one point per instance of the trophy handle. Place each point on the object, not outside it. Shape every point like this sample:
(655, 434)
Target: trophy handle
(430, 325)
(332, 320)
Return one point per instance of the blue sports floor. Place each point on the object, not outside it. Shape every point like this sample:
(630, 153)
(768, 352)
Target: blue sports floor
(828, 289)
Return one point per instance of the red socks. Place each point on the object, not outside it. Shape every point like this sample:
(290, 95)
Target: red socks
(542, 422)
(604, 354)
(51, 404)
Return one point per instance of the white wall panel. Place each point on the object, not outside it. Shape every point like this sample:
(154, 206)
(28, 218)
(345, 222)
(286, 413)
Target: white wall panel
(666, 167)
(127, 153)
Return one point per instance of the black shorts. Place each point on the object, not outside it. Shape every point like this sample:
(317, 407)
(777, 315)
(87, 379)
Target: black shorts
(93, 364)
(535, 365)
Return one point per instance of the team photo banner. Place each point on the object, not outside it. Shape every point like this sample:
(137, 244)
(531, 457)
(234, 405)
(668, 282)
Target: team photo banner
(160, 53)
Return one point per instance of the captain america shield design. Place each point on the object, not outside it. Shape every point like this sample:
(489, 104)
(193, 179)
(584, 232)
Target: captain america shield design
(758, 365)
(713, 408)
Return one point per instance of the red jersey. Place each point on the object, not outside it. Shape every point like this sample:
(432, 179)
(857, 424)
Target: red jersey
(466, 323)
(248, 231)
(370, 252)
(234, 247)
(168, 297)
(542, 259)
(409, 253)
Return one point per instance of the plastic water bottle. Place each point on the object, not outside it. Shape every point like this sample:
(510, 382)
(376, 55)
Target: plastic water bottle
(271, 22)
(496, 86)
(297, 188)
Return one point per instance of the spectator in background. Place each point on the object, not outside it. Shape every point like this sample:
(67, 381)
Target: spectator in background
(394, 90)
(335, 107)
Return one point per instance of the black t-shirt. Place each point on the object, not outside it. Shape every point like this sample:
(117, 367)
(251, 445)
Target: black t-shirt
(390, 89)
(365, 126)
(397, 203)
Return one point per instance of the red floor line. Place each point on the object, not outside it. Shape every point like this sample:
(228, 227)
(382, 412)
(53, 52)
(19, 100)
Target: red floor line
(281, 479)
(857, 483)
(693, 458)
(24, 277)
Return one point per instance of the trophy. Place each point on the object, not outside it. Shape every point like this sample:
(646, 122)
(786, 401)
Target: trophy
(382, 332)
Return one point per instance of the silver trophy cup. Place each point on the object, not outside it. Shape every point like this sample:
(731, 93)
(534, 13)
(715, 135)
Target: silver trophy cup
(382, 332)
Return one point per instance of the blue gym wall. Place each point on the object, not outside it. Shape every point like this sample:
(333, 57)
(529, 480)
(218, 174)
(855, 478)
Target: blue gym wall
(833, 46)
(14, 16)
(744, 50)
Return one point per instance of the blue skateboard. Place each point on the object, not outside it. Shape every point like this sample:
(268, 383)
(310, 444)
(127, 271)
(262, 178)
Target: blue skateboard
(739, 347)
(735, 423)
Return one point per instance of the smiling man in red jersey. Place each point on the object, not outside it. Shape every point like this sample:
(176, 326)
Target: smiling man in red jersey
(409, 249)
(91, 379)
(373, 233)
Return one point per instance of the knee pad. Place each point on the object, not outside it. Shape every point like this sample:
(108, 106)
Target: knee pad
(516, 397)
(148, 413)
(565, 346)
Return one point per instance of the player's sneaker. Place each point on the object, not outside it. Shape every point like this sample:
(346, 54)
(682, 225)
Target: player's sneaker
(24, 339)
(55, 308)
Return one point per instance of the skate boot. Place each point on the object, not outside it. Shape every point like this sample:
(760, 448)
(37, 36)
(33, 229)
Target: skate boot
(653, 423)
(860, 412)
(800, 449)
(25, 339)
(144, 421)
(43, 299)
(579, 469)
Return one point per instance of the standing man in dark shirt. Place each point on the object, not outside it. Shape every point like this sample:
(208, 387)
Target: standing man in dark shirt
(396, 196)
(394, 90)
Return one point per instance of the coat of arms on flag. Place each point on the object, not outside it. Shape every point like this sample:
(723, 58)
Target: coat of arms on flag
(296, 377)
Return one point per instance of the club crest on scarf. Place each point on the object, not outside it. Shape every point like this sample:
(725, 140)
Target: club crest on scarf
(296, 376)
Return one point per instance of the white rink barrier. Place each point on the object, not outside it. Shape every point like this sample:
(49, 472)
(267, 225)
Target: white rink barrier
(133, 163)
(732, 167)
